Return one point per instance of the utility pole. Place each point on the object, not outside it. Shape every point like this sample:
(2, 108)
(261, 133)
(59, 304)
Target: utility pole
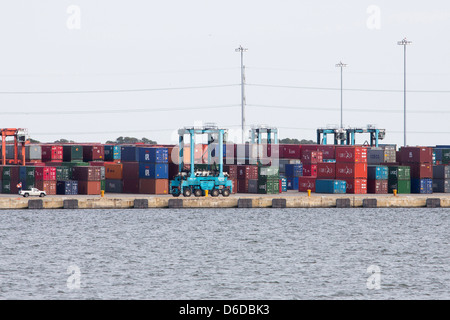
(341, 65)
(242, 50)
(404, 43)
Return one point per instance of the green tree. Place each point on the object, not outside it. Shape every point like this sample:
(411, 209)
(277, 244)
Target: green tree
(131, 140)
(296, 141)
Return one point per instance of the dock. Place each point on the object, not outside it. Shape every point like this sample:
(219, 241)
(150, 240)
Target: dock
(283, 200)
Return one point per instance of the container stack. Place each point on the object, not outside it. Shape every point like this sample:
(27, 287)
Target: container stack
(381, 155)
(10, 179)
(232, 172)
(441, 178)
(33, 155)
(399, 179)
(45, 179)
(153, 170)
(420, 160)
(330, 186)
(52, 154)
(112, 153)
(113, 177)
(377, 179)
(88, 178)
(292, 174)
(351, 166)
(268, 180)
(27, 177)
(247, 179)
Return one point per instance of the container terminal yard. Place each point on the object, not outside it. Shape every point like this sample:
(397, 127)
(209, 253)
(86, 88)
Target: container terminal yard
(259, 174)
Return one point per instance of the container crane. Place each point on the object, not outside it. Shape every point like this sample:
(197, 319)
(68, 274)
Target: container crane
(20, 140)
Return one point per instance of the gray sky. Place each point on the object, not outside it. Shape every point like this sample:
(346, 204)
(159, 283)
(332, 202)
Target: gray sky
(122, 46)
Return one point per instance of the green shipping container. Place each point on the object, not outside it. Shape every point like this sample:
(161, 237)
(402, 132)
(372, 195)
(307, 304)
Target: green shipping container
(446, 156)
(6, 175)
(102, 185)
(6, 186)
(73, 153)
(268, 186)
(75, 164)
(399, 173)
(402, 186)
(29, 183)
(63, 173)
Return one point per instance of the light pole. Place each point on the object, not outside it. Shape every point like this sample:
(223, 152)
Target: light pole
(341, 65)
(242, 50)
(404, 43)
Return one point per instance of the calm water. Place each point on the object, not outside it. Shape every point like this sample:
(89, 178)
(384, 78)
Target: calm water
(225, 254)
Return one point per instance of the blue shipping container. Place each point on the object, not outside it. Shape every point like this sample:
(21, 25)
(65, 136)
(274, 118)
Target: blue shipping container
(69, 187)
(153, 155)
(128, 153)
(112, 152)
(377, 172)
(292, 183)
(293, 170)
(283, 184)
(331, 186)
(153, 171)
(424, 186)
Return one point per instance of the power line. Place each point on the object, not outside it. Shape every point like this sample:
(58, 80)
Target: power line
(124, 110)
(337, 89)
(119, 90)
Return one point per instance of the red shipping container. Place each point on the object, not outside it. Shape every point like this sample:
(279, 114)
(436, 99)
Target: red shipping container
(308, 147)
(416, 154)
(97, 163)
(310, 170)
(45, 173)
(231, 170)
(421, 170)
(130, 185)
(306, 183)
(86, 173)
(48, 186)
(351, 154)
(234, 185)
(14, 173)
(153, 186)
(51, 153)
(328, 151)
(326, 170)
(356, 186)
(242, 185)
(247, 172)
(351, 170)
(311, 157)
(93, 152)
(89, 187)
(377, 186)
(130, 170)
(290, 151)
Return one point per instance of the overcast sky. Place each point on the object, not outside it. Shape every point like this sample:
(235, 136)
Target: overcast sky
(147, 68)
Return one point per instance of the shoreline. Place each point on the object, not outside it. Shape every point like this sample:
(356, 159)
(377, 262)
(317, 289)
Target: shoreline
(284, 200)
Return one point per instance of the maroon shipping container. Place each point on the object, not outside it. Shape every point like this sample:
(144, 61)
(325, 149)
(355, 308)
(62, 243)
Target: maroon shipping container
(130, 185)
(52, 153)
(93, 152)
(173, 170)
(328, 151)
(89, 187)
(306, 183)
(290, 151)
(231, 170)
(131, 170)
(416, 155)
(153, 186)
(247, 172)
(242, 185)
(351, 170)
(48, 186)
(234, 185)
(311, 157)
(326, 170)
(377, 186)
(45, 173)
(14, 173)
(86, 173)
(307, 148)
(351, 154)
(310, 170)
(356, 186)
(421, 170)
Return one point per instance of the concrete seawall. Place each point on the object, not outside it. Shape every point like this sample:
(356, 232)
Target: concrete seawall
(290, 200)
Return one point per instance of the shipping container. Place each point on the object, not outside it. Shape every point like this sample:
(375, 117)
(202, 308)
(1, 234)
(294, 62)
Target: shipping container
(247, 172)
(113, 171)
(49, 186)
(153, 186)
(72, 153)
(130, 170)
(328, 151)
(402, 186)
(68, 187)
(89, 187)
(293, 170)
(306, 183)
(153, 171)
(45, 173)
(326, 170)
(113, 186)
(330, 186)
(377, 186)
(356, 186)
(242, 185)
(354, 170)
(377, 172)
(283, 162)
(375, 156)
(441, 185)
(283, 184)
(292, 183)
(268, 186)
(152, 155)
(421, 170)
(33, 152)
(416, 154)
(424, 186)
(112, 152)
(86, 173)
(441, 172)
(351, 154)
(252, 186)
(131, 185)
(93, 153)
(290, 151)
(311, 157)
(399, 173)
(270, 171)
(52, 153)
(63, 173)
(310, 170)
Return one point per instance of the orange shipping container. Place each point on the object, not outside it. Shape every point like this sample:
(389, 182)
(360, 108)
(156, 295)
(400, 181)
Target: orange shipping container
(153, 186)
(113, 171)
(89, 187)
